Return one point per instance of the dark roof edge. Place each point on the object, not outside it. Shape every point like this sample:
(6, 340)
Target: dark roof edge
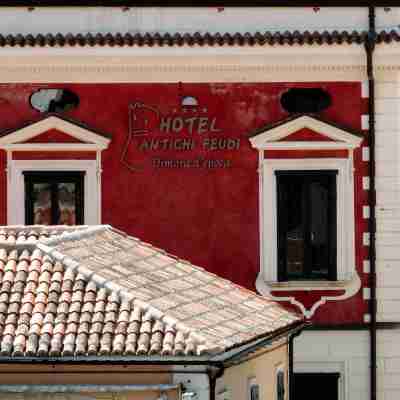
(204, 3)
(194, 39)
(112, 360)
(238, 353)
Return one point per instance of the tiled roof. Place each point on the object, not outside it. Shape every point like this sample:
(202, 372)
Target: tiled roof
(21, 234)
(97, 291)
(198, 39)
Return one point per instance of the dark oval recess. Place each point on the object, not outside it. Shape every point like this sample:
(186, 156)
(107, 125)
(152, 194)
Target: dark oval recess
(305, 100)
(54, 100)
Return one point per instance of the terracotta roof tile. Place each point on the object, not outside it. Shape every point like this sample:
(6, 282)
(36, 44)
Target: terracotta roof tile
(20, 234)
(67, 331)
(196, 39)
(154, 304)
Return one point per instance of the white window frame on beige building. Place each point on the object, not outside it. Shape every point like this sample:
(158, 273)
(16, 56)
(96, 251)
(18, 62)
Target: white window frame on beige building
(281, 368)
(16, 188)
(347, 276)
(252, 381)
(340, 367)
(17, 141)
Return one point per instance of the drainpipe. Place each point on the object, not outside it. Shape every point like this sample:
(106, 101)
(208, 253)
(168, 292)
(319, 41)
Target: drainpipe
(369, 48)
(291, 371)
(213, 375)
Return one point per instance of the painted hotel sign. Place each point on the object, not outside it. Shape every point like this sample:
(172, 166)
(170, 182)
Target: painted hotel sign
(187, 137)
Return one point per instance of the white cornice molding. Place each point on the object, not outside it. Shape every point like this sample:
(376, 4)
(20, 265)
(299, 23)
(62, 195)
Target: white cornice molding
(193, 64)
(168, 72)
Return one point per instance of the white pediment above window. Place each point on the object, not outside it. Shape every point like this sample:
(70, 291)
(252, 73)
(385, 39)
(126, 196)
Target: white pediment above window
(80, 138)
(322, 135)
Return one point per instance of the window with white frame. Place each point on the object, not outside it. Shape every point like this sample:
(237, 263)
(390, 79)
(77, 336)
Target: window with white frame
(54, 198)
(308, 219)
(280, 383)
(253, 389)
(45, 192)
(306, 224)
(307, 233)
(52, 191)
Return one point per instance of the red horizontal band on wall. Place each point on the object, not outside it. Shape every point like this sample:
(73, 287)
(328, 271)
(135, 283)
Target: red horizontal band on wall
(54, 155)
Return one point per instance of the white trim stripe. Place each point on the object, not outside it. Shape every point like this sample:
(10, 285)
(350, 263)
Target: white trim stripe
(366, 212)
(366, 267)
(365, 182)
(365, 122)
(366, 293)
(366, 239)
(365, 153)
(365, 89)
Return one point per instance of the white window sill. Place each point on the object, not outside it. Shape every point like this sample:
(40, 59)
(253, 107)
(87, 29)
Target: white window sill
(349, 288)
(308, 285)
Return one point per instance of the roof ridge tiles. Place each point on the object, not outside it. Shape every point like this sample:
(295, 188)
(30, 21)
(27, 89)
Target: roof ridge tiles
(161, 39)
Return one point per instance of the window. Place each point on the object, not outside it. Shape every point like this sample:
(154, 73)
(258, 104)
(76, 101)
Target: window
(87, 194)
(326, 383)
(54, 198)
(86, 140)
(308, 219)
(280, 384)
(254, 389)
(306, 214)
(54, 100)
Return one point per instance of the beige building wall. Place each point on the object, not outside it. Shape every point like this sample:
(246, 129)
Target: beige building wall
(261, 368)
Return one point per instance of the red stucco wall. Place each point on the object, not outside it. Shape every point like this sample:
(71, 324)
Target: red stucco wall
(206, 215)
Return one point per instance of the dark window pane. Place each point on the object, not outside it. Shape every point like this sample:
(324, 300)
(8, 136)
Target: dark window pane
(41, 203)
(292, 233)
(54, 198)
(312, 386)
(254, 392)
(66, 203)
(306, 224)
(323, 225)
(280, 386)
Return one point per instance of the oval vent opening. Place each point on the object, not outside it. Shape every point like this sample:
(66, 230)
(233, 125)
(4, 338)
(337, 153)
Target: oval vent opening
(305, 100)
(54, 100)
